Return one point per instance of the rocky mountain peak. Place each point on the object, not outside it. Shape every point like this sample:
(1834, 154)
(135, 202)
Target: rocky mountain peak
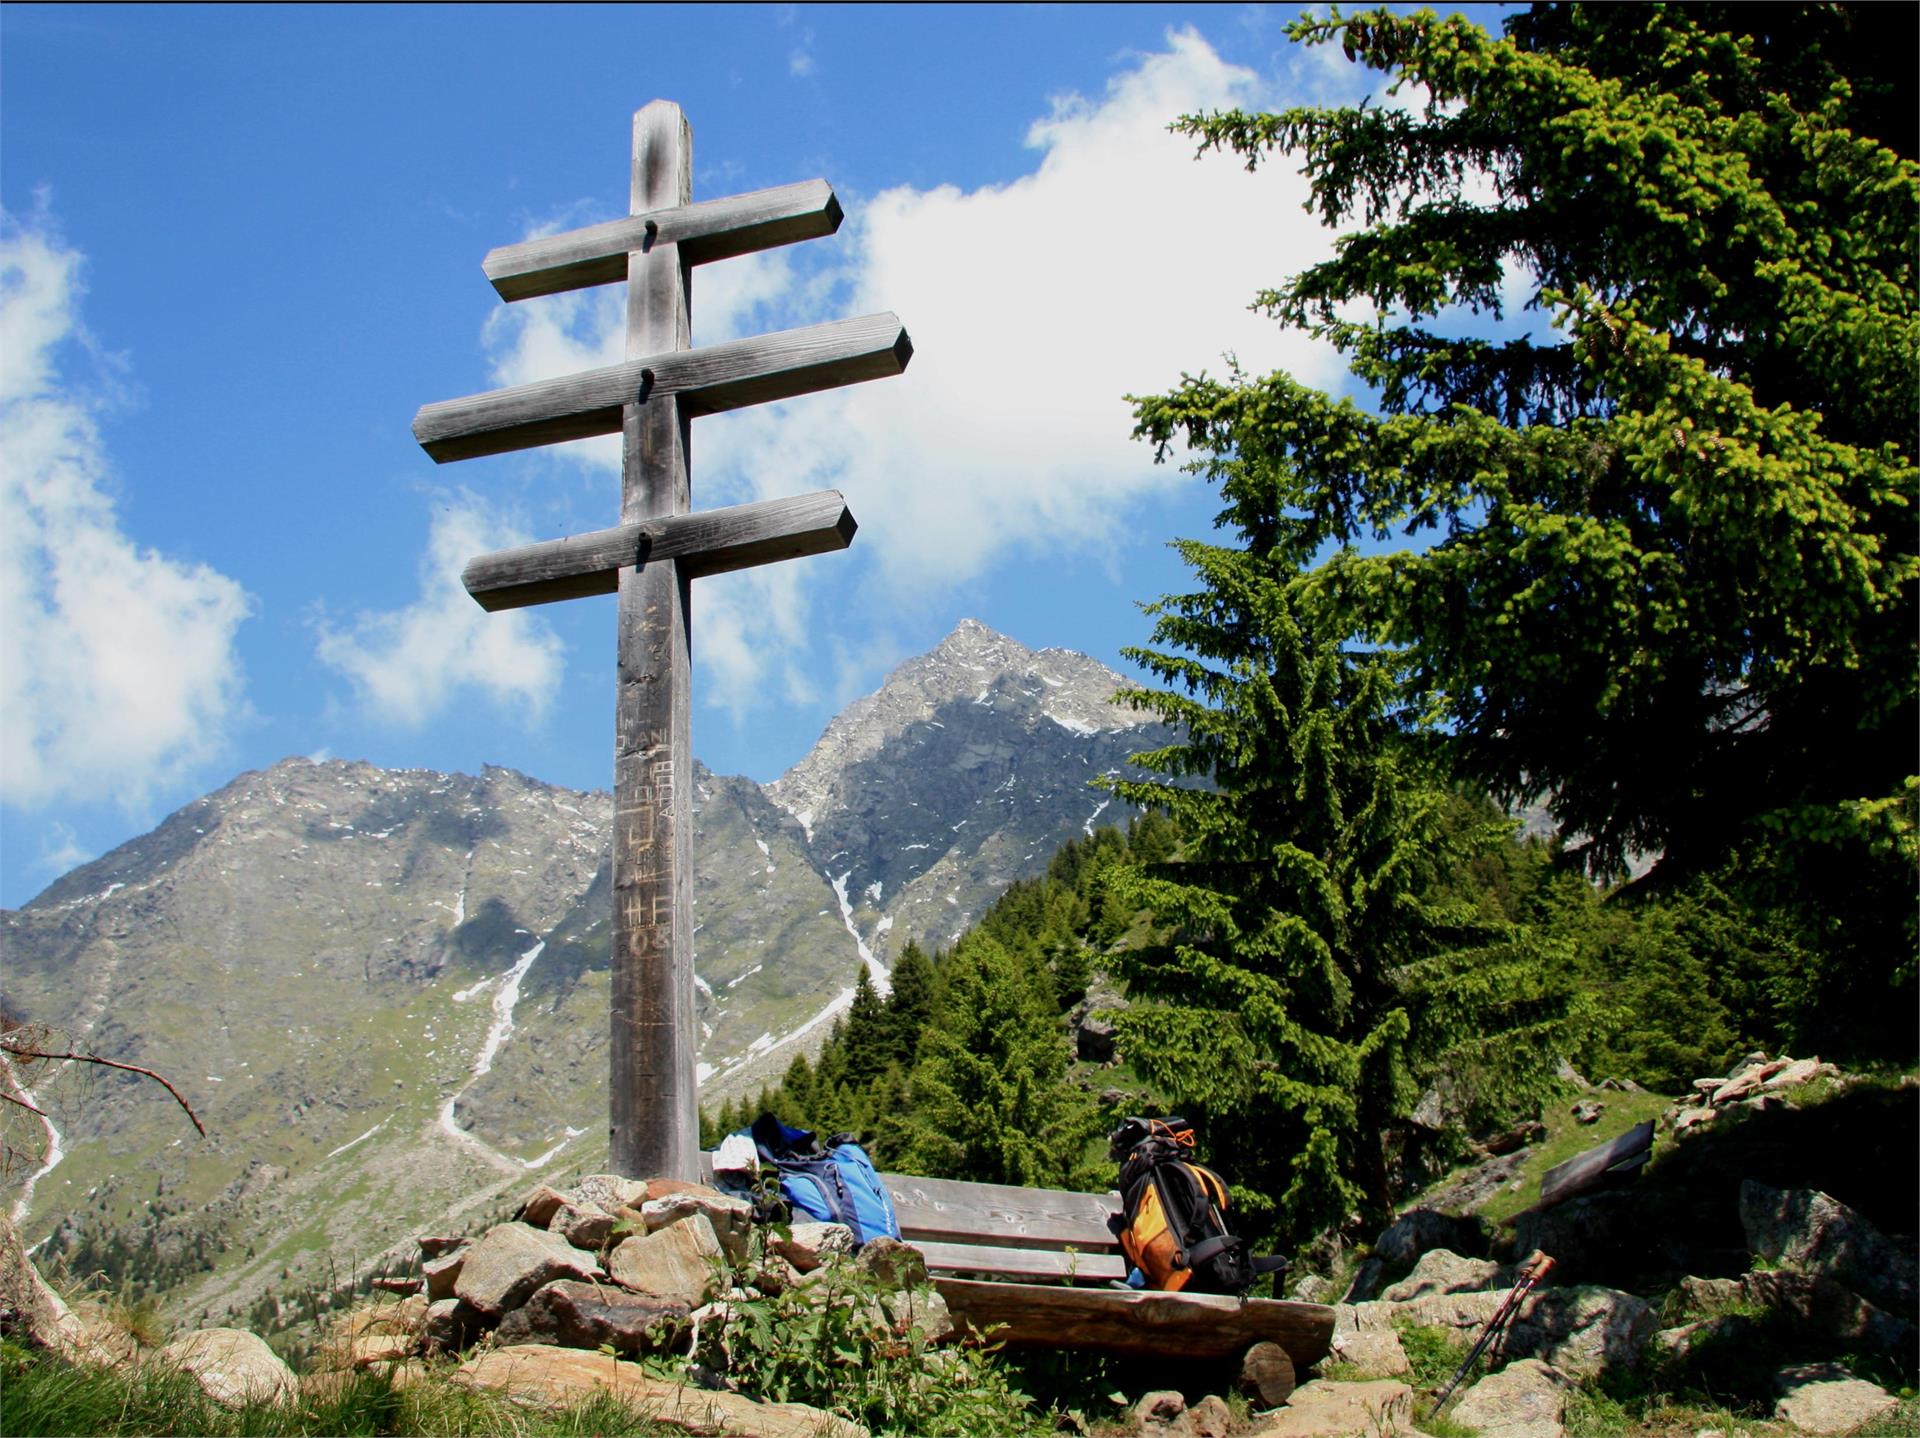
(973, 665)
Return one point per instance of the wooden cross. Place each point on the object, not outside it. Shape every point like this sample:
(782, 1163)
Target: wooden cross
(658, 548)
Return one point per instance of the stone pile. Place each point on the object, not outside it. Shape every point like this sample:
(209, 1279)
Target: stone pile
(1826, 1280)
(1755, 1082)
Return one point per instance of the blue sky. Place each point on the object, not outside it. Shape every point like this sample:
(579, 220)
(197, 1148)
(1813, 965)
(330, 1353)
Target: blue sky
(242, 245)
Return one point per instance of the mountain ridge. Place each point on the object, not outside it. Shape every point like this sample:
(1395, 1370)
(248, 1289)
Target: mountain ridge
(389, 987)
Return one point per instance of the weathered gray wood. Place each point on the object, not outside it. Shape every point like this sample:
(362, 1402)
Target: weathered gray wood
(1585, 1170)
(950, 1211)
(970, 1258)
(1190, 1325)
(653, 1094)
(719, 377)
(710, 230)
(713, 541)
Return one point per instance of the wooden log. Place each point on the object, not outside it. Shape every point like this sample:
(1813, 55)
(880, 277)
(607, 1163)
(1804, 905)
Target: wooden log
(1584, 1171)
(1266, 1375)
(653, 1112)
(714, 541)
(719, 377)
(952, 1211)
(710, 230)
(975, 1258)
(1138, 1321)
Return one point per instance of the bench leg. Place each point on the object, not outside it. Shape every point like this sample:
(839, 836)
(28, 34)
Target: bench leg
(1266, 1375)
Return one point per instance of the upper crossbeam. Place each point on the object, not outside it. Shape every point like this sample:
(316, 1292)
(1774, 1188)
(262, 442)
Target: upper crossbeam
(707, 231)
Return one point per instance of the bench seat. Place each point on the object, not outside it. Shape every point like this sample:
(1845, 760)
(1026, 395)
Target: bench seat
(1037, 1267)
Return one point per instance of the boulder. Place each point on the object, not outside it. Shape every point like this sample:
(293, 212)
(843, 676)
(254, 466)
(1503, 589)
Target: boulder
(1580, 1331)
(1326, 1409)
(511, 1260)
(1161, 1414)
(1803, 1228)
(1688, 1118)
(808, 1245)
(450, 1325)
(731, 1218)
(681, 1262)
(433, 1245)
(1420, 1230)
(1798, 1072)
(896, 1264)
(443, 1273)
(1210, 1417)
(583, 1225)
(572, 1314)
(1594, 1235)
(921, 1308)
(1810, 1304)
(548, 1377)
(539, 1207)
(376, 1333)
(1375, 1353)
(610, 1192)
(232, 1367)
(1526, 1399)
(1588, 1110)
(1825, 1398)
(1441, 1270)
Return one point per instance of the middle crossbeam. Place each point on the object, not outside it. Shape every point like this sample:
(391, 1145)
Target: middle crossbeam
(705, 380)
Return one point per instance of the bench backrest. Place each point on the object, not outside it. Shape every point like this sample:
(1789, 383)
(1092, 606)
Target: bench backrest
(1007, 1232)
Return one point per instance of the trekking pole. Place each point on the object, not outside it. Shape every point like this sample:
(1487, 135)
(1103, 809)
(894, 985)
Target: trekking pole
(1536, 1267)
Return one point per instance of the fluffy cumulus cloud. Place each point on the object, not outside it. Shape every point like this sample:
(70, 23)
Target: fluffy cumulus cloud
(118, 668)
(1118, 262)
(407, 665)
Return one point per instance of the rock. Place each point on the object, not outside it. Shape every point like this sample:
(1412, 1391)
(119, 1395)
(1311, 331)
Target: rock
(435, 1245)
(1797, 1072)
(232, 1367)
(550, 1377)
(732, 1218)
(30, 1311)
(511, 1260)
(808, 1245)
(539, 1207)
(400, 1287)
(1803, 1228)
(1376, 1353)
(896, 1264)
(1475, 1186)
(376, 1333)
(1580, 1331)
(443, 1273)
(1325, 1409)
(681, 1262)
(1747, 1077)
(1825, 1398)
(1569, 1075)
(1162, 1414)
(450, 1325)
(1516, 1138)
(1526, 1399)
(1266, 1376)
(1442, 1271)
(1094, 1037)
(1690, 1340)
(1809, 1304)
(1588, 1110)
(584, 1226)
(572, 1314)
(921, 1308)
(1418, 1231)
(1688, 1118)
(1603, 1232)
(1211, 1418)
(610, 1192)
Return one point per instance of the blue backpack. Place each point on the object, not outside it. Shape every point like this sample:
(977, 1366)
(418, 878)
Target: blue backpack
(837, 1184)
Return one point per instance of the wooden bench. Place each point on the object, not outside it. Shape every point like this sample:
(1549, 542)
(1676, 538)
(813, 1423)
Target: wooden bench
(1034, 1267)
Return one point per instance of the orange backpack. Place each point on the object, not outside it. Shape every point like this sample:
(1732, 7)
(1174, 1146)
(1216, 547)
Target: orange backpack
(1172, 1225)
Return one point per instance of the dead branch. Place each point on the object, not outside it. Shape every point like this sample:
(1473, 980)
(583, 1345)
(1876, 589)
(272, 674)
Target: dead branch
(20, 1052)
(23, 1104)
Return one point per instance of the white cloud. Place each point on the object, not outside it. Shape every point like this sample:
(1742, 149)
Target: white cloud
(61, 850)
(118, 669)
(409, 664)
(1035, 307)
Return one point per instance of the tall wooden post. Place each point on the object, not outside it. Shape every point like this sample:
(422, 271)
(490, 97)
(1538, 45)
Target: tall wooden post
(653, 1107)
(651, 558)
